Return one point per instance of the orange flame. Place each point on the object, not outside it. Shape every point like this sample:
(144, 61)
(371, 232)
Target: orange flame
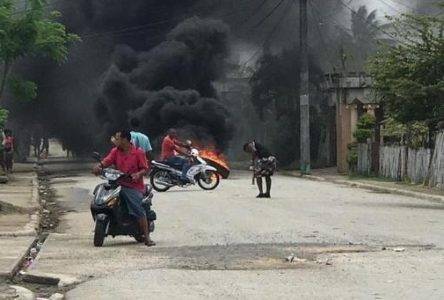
(214, 156)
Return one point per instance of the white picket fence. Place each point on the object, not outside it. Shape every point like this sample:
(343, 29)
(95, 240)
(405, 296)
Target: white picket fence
(436, 175)
(400, 163)
(392, 161)
(418, 162)
(364, 159)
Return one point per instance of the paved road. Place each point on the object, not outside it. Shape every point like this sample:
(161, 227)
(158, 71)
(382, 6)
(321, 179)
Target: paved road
(226, 243)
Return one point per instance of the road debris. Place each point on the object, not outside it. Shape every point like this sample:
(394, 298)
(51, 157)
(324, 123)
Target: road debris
(57, 296)
(292, 258)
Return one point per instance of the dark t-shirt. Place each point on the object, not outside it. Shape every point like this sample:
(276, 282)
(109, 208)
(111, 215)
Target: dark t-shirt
(261, 151)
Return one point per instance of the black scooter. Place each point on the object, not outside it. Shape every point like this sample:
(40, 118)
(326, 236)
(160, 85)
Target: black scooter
(110, 213)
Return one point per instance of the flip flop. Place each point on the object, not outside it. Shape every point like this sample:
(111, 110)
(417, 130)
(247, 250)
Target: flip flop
(150, 243)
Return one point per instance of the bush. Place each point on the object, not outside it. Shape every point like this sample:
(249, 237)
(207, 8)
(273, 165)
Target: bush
(366, 121)
(365, 127)
(352, 157)
(361, 135)
(414, 134)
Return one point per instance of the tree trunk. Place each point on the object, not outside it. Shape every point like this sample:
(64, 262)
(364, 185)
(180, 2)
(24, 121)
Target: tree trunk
(6, 67)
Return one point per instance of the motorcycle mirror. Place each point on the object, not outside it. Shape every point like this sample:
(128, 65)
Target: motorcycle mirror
(96, 156)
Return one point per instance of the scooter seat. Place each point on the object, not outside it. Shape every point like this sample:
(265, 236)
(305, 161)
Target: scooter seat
(165, 164)
(160, 164)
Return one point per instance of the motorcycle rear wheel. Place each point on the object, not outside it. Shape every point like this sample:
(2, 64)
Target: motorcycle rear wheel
(210, 181)
(100, 232)
(155, 177)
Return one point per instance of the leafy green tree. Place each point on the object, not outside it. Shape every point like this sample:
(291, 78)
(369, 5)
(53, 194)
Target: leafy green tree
(409, 77)
(29, 32)
(3, 117)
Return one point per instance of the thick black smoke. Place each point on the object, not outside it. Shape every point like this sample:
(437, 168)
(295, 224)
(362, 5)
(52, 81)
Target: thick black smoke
(67, 93)
(170, 85)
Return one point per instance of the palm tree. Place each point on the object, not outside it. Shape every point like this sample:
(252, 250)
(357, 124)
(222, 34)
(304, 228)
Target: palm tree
(363, 24)
(365, 31)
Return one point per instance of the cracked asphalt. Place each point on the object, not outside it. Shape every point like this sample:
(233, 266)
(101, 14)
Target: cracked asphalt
(228, 244)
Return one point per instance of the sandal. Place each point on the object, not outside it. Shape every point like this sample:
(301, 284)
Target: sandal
(150, 243)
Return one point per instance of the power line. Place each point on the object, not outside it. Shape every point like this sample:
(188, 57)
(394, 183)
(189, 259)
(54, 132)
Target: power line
(331, 20)
(255, 11)
(333, 12)
(52, 4)
(148, 25)
(268, 15)
(128, 29)
(268, 37)
(321, 36)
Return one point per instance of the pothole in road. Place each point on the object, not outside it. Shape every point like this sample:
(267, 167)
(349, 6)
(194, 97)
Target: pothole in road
(252, 256)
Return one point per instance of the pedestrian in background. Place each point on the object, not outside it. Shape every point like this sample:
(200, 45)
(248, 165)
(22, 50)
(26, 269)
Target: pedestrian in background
(8, 150)
(263, 165)
(45, 147)
(140, 140)
(2, 153)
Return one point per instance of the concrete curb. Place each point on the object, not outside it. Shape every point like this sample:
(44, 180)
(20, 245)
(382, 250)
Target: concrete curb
(15, 267)
(30, 229)
(377, 188)
(49, 279)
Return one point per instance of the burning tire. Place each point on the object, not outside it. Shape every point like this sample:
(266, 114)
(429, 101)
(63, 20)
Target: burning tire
(157, 179)
(209, 181)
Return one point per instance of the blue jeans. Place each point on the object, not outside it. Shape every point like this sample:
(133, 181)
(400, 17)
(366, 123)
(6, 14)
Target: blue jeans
(181, 164)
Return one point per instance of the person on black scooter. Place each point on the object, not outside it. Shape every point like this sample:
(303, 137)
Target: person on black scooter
(129, 160)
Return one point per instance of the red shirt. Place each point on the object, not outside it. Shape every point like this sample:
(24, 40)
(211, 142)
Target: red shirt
(8, 143)
(132, 162)
(168, 148)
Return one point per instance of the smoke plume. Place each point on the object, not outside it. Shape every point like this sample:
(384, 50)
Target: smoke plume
(170, 85)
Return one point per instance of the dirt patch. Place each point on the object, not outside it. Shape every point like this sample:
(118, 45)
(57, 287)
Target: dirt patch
(6, 208)
(250, 256)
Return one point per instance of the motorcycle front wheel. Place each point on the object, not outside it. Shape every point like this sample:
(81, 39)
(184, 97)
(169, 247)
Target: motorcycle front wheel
(100, 232)
(157, 178)
(208, 181)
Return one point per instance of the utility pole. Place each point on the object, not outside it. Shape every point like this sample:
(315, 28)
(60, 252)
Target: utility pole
(304, 97)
